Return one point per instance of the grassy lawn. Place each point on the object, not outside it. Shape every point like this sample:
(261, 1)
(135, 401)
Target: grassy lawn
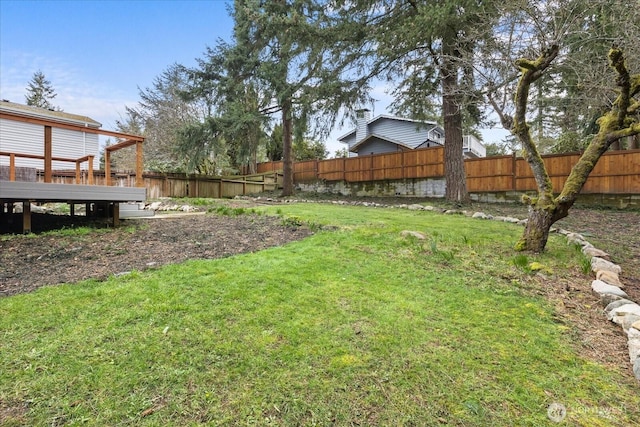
(356, 325)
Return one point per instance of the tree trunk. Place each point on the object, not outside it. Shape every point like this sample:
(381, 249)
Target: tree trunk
(541, 217)
(614, 125)
(287, 150)
(455, 176)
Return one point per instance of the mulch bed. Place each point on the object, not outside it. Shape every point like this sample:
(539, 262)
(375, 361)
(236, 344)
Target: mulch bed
(27, 263)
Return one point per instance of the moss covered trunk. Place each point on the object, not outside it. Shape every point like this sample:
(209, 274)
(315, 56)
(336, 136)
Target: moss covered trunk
(621, 121)
(542, 216)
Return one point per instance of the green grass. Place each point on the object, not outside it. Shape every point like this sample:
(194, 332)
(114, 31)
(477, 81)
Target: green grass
(355, 326)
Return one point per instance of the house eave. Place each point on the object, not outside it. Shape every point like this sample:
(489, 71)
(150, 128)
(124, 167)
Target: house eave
(54, 116)
(353, 149)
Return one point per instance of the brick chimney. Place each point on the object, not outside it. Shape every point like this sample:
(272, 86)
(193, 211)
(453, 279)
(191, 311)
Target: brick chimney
(362, 130)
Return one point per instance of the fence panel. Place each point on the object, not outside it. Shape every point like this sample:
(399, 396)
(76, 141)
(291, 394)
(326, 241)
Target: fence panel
(332, 169)
(426, 163)
(490, 174)
(305, 171)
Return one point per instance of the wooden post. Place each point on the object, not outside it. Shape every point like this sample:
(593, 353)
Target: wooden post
(513, 171)
(26, 216)
(107, 167)
(116, 214)
(12, 167)
(78, 173)
(72, 209)
(47, 154)
(344, 168)
(220, 189)
(371, 167)
(90, 170)
(139, 165)
(315, 166)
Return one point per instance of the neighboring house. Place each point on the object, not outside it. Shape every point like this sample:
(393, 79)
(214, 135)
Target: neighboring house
(22, 134)
(389, 134)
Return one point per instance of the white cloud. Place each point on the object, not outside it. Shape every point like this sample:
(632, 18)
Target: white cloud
(77, 92)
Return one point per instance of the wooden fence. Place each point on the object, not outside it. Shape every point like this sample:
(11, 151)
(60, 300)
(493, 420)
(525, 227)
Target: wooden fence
(181, 185)
(617, 172)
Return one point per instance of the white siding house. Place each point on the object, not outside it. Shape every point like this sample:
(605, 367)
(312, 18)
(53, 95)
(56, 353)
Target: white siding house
(22, 137)
(387, 134)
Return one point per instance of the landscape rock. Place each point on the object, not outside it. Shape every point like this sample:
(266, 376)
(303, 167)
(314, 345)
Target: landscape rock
(154, 206)
(594, 252)
(428, 208)
(507, 219)
(636, 368)
(598, 264)
(606, 299)
(576, 239)
(600, 287)
(609, 277)
(525, 221)
(616, 304)
(452, 212)
(636, 325)
(629, 320)
(480, 215)
(617, 314)
(416, 234)
(415, 207)
(634, 344)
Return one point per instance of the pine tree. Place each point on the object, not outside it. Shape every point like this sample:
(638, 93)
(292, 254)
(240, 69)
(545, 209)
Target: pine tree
(40, 92)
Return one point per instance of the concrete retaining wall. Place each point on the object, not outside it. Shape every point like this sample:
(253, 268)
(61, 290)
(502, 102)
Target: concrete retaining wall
(428, 187)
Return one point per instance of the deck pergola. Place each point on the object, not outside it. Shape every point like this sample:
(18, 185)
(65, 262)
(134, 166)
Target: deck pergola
(110, 197)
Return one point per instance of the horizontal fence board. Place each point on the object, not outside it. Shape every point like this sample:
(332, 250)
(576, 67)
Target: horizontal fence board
(179, 185)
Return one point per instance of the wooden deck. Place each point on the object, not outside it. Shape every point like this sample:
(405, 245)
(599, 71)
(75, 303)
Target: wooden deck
(17, 191)
(95, 197)
(18, 187)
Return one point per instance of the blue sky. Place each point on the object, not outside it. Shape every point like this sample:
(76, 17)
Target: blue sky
(97, 53)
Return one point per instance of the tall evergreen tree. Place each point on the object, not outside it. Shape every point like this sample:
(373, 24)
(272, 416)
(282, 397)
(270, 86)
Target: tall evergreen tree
(426, 48)
(40, 92)
(276, 64)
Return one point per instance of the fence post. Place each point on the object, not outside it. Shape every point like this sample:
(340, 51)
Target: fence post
(344, 169)
(513, 171)
(12, 167)
(47, 154)
(371, 167)
(315, 165)
(90, 170)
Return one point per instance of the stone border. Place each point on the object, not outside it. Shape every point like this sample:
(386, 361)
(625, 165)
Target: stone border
(617, 305)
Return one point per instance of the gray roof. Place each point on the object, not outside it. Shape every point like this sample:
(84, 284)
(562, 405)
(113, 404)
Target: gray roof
(387, 117)
(43, 113)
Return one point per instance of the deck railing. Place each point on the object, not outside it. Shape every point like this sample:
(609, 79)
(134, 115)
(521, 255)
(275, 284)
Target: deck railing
(47, 144)
(47, 177)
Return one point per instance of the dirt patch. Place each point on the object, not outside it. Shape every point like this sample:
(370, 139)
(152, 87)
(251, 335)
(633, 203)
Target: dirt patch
(29, 262)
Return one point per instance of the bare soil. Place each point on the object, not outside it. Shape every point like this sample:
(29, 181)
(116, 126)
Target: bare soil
(29, 262)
